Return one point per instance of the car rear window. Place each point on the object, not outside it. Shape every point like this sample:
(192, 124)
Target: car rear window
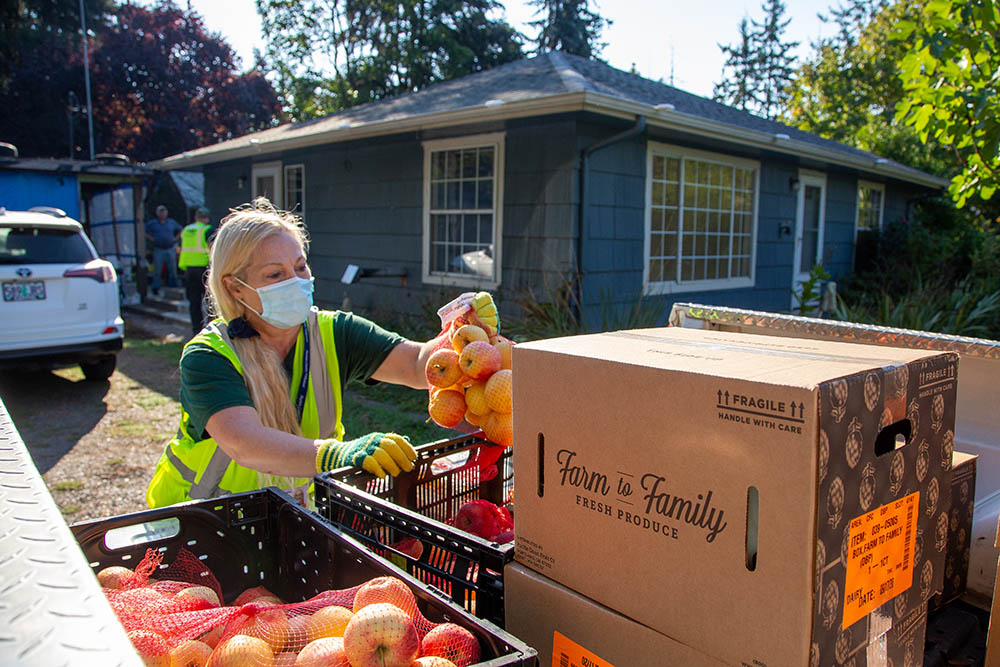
(39, 245)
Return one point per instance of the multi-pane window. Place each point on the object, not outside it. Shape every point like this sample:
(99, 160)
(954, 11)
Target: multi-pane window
(462, 210)
(295, 189)
(871, 198)
(702, 209)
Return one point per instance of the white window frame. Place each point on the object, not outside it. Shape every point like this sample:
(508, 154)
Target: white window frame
(678, 286)
(881, 209)
(268, 169)
(496, 141)
(284, 186)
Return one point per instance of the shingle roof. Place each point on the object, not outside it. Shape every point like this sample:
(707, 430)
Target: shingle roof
(546, 76)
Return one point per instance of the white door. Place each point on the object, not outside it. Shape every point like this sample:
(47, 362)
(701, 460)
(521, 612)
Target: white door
(267, 182)
(810, 214)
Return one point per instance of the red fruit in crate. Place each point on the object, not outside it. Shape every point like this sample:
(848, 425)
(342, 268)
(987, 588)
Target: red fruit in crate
(324, 652)
(432, 661)
(506, 520)
(505, 537)
(479, 360)
(242, 650)
(190, 653)
(451, 641)
(410, 546)
(251, 594)
(114, 577)
(381, 635)
(478, 517)
(442, 369)
(152, 647)
(386, 589)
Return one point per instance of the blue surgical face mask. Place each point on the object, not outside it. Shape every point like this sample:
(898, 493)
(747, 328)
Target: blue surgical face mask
(285, 304)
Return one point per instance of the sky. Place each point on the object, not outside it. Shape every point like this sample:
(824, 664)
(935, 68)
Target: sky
(673, 40)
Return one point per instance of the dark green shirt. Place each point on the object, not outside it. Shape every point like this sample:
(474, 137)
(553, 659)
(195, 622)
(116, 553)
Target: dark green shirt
(210, 383)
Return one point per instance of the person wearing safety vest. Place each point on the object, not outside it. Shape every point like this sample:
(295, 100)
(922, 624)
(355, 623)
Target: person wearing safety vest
(262, 384)
(193, 261)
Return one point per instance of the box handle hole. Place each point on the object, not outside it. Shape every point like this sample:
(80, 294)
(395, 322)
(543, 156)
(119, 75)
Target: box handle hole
(893, 437)
(753, 511)
(541, 465)
(142, 533)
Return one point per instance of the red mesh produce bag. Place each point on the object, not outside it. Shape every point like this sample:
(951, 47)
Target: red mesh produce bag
(469, 379)
(375, 622)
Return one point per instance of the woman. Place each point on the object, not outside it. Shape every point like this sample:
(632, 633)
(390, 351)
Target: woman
(261, 387)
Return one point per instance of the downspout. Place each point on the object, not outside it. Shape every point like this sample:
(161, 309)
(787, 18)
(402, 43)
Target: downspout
(637, 129)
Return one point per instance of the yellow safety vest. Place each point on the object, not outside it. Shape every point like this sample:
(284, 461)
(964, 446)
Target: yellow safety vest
(194, 245)
(192, 469)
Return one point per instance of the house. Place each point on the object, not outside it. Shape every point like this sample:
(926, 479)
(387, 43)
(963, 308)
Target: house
(104, 194)
(529, 175)
(182, 192)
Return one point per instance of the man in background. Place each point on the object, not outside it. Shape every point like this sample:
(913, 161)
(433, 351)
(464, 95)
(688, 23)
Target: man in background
(163, 232)
(193, 261)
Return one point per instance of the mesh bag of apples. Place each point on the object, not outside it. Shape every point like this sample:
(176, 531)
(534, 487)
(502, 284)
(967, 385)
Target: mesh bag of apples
(469, 378)
(174, 622)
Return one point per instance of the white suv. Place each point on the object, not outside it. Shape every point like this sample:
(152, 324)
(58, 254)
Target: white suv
(60, 302)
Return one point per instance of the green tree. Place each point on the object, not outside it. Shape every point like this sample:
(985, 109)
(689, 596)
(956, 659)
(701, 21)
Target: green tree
(26, 24)
(951, 78)
(327, 55)
(739, 73)
(848, 90)
(570, 26)
(759, 69)
(161, 84)
(775, 63)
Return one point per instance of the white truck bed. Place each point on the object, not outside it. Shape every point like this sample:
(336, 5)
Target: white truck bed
(977, 419)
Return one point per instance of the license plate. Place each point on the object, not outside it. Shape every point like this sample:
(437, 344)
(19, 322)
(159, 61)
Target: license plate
(24, 291)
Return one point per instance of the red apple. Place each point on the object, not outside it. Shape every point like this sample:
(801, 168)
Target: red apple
(453, 642)
(432, 661)
(323, 652)
(190, 653)
(152, 647)
(386, 589)
(446, 407)
(466, 334)
(442, 369)
(115, 576)
(479, 360)
(200, 592)
(251, 594)
(241, 650)
(381, 635)
(479, 517)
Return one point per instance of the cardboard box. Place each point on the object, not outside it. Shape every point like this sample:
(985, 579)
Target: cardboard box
(958, 549)
(561, 624)
(905, 641)
(993, 638)
(688, 478)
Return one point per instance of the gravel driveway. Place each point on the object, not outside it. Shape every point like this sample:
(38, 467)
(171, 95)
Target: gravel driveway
(96, 443)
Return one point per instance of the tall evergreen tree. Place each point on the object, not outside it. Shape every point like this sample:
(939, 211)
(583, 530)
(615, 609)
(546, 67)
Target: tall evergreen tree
(759, 69)
(570, 26)
(327, 55)
(739, 72)
(775, 63)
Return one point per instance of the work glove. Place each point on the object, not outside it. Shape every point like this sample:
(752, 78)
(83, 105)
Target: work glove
(485, 310)
(377, 453)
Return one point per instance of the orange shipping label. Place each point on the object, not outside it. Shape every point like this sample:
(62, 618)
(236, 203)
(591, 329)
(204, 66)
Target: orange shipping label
(567, 653)
(879, 557)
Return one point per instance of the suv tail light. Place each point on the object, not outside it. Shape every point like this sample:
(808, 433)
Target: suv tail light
(98, 270)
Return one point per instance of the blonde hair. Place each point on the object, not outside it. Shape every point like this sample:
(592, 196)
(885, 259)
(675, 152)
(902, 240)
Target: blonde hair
(240, 234)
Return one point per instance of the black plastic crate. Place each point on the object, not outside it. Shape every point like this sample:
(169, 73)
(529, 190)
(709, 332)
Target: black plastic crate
(383, 512)
(264, 538)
